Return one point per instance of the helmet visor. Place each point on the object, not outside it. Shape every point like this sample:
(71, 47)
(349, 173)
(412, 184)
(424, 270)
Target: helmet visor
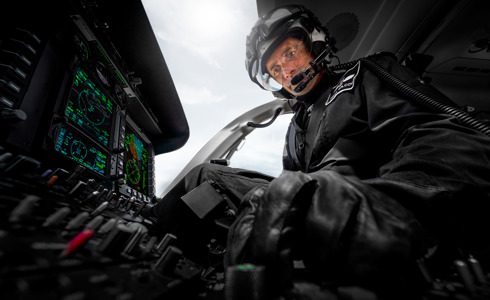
(291, 58)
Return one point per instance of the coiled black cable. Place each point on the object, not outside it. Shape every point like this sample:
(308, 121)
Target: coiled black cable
(417, 96)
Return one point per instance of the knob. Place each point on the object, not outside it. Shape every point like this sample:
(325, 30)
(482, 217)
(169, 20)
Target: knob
(94, 223)
(77, 221)
(57, 217)
(13, 115)
(23, 209)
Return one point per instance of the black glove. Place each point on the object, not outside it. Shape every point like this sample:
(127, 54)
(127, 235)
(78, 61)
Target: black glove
(266, 230)
(346, 232)
(357, 235)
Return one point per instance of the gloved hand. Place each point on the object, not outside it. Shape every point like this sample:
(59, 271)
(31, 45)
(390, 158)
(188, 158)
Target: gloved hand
(241, 229)
(279, 224)
(357, 235)
(345, 231)
(266, 230)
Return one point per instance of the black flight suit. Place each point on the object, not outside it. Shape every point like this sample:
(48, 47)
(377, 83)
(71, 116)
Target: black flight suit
(374, 179)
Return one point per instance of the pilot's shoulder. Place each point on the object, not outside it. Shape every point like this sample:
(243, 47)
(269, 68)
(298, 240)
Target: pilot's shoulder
(387, 61)
(383, 56)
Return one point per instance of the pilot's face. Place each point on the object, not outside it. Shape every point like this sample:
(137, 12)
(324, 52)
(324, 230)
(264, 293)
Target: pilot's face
(289, 58)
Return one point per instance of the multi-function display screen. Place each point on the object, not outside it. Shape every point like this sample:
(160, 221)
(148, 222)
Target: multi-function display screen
(136, 162)
(81, 150)
(89, 108)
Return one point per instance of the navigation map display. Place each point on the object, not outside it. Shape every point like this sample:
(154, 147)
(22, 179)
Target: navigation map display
(81, 150)
(89, 108)
(136, 162)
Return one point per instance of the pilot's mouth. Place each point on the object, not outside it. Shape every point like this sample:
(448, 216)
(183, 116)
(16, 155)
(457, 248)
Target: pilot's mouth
(293, 87)
(288, 81)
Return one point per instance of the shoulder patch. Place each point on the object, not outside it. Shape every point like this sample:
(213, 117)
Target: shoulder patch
(346, 83)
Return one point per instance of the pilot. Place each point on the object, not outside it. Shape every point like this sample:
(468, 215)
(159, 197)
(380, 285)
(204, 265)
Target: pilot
(382, 172)
(373, 179)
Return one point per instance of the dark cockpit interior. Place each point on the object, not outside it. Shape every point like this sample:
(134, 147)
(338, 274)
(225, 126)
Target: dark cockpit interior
(87, 102)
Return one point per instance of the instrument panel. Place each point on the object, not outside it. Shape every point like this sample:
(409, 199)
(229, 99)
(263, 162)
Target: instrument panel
(81, 125)
(88, 123)
(92, 127)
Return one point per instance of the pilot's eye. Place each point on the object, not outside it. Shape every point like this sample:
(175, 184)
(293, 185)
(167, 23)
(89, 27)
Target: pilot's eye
(290, 55)
(276, 71)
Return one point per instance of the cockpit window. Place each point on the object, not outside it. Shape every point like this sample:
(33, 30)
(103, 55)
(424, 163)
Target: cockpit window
(263, 148)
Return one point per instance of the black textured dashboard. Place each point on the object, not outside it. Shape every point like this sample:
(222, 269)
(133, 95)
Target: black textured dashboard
(64, 236)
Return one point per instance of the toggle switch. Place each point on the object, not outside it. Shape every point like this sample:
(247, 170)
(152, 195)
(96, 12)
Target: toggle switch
(78, 189)
(168, 240)
(169, 259)
(94, 195)
(99, 208)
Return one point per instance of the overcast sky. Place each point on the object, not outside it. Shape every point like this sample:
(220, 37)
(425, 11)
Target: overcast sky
(203, 43)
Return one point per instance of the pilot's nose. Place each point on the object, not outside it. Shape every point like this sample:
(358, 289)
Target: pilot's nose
(287, 73)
